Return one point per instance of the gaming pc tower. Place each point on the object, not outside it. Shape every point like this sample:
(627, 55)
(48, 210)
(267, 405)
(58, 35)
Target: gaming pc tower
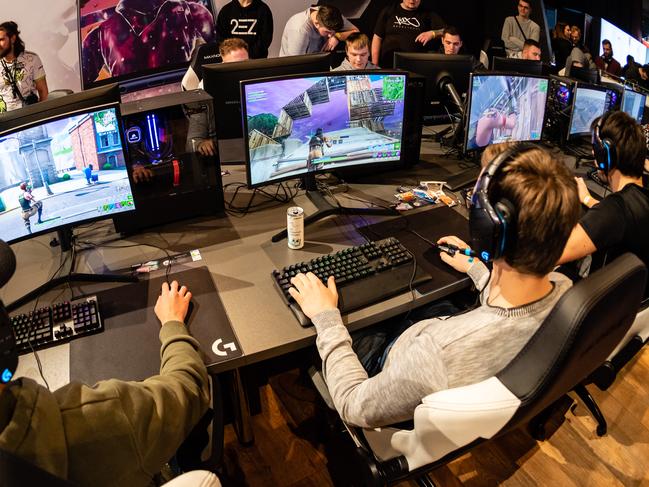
(172, 159)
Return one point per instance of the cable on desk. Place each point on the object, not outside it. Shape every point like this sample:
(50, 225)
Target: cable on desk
(64, 259)
(273, 199)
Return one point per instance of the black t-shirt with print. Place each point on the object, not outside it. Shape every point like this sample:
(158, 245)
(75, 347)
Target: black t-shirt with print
(398, 28)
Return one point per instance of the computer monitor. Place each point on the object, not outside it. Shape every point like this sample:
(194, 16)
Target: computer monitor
(62, 165)
(301, 125)
(522, 66)
(633, 103)
(222, 82)
(587, 75)
(446, 75)
(505, 108)
(121, 40)
(590, 102)
(623, 44)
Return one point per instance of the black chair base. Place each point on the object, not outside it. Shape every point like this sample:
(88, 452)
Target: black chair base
(592, 406)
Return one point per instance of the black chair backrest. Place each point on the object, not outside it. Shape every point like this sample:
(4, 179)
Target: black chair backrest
(584, 327)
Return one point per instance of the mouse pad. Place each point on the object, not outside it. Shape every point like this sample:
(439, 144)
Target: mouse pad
(432, 224)
(129, 347)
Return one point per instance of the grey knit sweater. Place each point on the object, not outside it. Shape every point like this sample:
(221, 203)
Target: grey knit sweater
(513, 37)
(431, 355)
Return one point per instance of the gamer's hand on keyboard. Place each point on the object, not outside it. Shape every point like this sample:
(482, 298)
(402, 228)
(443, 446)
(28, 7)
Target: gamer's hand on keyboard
(313, 296)
(459, 262)
(172, 303)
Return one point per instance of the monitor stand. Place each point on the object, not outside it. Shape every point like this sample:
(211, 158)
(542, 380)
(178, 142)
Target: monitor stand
(65, 241)
(325, 209)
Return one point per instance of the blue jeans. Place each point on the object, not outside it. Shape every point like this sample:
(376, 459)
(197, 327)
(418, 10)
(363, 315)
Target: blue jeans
(373, 344)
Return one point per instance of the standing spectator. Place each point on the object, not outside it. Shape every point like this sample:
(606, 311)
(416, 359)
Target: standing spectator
(575, 37)
(517, 29)
(250, 20)
(606, 62)
(23, 75)
(357, 48)
(561, 44)
(319, 28)
(404, 27)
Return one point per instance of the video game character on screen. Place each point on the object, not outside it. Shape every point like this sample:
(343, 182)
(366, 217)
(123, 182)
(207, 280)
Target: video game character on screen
(322, 123)
(123, 37)
(45, 172)
(506, 108)
(29, 205)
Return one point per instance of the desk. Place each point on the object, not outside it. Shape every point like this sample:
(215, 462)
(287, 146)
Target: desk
(240, 256)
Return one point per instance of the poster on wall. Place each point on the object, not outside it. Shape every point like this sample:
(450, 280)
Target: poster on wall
(127, 39)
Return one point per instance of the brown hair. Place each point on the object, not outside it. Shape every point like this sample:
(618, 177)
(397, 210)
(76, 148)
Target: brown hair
(357, 40)
(559, 31)
(629, 141)
(232, 44)
(11, 29)
(544, 193)
(494, 150)
(330, 17)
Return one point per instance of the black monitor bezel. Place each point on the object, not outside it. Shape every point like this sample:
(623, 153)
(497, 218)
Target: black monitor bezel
(467, 118)
(240, 68)
(517, 62)
(629, 87)
(588, 86)
(456, 59)
(381, 164)
(58, 113)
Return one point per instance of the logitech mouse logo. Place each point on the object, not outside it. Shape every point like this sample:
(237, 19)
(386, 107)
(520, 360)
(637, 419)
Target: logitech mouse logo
(6, 375)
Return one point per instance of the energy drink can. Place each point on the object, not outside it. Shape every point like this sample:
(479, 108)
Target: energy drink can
(295, 227)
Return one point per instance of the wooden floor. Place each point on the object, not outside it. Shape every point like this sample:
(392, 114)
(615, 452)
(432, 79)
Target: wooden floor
(287, 451)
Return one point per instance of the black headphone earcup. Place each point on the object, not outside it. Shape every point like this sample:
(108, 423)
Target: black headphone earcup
(506, 213)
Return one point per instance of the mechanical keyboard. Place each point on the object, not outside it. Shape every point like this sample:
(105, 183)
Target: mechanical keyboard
(55, 324)
(365, 274)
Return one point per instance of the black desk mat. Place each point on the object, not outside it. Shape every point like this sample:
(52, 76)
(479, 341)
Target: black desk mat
(433, 223)
(129, 348)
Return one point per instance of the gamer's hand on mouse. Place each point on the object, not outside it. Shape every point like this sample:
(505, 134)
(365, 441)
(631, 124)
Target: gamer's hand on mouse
(459, 262)
(206, 147)
(172, 303)
(313, 296)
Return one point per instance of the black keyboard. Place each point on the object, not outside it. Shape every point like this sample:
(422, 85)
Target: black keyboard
(364, 275)
(594, 176)
(55, 324)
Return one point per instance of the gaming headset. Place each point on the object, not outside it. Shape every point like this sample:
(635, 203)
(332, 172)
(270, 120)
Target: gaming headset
(8, 354)
(492, 224)
(604, 148)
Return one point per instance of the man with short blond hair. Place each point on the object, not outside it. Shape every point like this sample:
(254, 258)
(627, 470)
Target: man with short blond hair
(357, 50)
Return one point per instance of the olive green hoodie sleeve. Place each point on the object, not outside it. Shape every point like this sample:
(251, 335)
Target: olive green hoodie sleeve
(121, 433)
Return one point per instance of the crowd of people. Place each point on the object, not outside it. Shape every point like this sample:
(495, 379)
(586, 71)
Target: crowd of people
(126, 431)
